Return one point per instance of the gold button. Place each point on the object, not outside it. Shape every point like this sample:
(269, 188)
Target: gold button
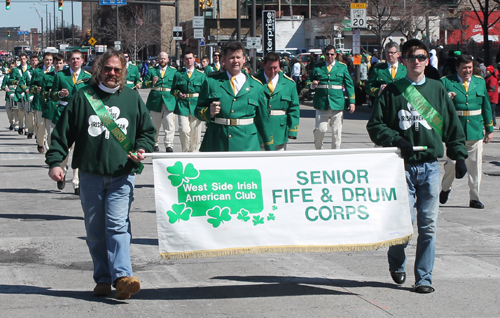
(230, 136)
(466, 95)
(232, 111)
(328, 95)
(466, 103)
(234, 100)
(271, 97)
(328, 81)
(468, 120)
(270, 106)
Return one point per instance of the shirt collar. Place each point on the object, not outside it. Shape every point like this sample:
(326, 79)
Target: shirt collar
(416, 84)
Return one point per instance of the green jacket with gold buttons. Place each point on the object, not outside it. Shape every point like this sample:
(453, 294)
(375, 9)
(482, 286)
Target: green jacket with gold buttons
(339, 77)
(157, 97)
(187, 85)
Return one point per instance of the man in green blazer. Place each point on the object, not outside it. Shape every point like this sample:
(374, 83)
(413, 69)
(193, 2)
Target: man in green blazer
(472, 104)
(17, 76)
(329, 79)
(232, 103)
(282, 101)
(382, 74)
(38, 100)
(133, 76)
(49, 109)
(66, 83)
(161, 103)
(216, 65)
(187, 86)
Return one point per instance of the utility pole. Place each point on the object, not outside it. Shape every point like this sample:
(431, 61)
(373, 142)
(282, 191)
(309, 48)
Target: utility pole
(254, 32)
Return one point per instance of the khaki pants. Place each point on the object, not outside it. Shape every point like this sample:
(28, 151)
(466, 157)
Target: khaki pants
(190, 133)
(40, 128)
(281, 147)
(76, 179)
(165, 118)
(474, 165)
(12, 112)
(324, 119)
(49, 126)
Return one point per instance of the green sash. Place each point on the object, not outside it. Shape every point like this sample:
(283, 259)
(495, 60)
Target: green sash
(108, 121)
(421, 105)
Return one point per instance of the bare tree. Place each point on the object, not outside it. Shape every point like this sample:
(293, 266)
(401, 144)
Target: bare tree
(486, 7)
(383, 18)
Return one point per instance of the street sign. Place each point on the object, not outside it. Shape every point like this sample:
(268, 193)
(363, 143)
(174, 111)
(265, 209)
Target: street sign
(253, 43)
(269, 30)
(356, 41)
(358, 15)
(101, 48)
(22, 32)
(198, 22)
(198, 33)
(92, 41)
(112, 2)
(177, 36)
(118, 45)
(202, 42)
(63, 46)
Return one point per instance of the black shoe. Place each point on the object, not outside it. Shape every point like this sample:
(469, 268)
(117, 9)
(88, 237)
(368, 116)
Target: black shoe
(169, 149)
(399, 277)
(424, 289)
(40, 149)
(77, 191)
(61, 184)
(20, 131)
(30, 135)
(443, 196)
(11, 127)
(476, 204)
(156, 149)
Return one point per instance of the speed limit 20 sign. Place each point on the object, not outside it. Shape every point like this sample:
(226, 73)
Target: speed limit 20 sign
(358, 15)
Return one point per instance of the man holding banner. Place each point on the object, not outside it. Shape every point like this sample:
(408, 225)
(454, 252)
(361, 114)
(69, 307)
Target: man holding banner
(416, 111)
(104, 138)
(232, 104)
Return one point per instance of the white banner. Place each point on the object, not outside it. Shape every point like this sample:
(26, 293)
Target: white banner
(211, 204)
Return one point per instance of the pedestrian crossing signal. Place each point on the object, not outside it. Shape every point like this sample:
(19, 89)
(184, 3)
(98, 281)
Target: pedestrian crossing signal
(60, 5)
(7, 5)
(202, 4)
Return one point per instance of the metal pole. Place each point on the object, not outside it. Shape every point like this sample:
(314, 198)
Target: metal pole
(117, 24)
(238, 12)
(254, 32)
(177, 51)
(72, 25)
(62, 26)
(41, 20)
(55, 25)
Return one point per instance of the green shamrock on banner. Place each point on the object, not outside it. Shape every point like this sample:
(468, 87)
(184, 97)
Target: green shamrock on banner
(178, 175)
(180, 212)
(218, 216)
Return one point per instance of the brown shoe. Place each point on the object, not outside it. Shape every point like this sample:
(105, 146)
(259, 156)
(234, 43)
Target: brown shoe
(102, 289)
(126, 286)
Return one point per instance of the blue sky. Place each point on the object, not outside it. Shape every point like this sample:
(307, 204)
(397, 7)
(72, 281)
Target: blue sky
(22, 14)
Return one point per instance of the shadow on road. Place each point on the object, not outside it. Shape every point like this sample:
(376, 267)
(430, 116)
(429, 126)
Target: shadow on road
(34, 217)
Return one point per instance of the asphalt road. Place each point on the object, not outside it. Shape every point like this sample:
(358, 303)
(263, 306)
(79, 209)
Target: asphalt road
(46, 270)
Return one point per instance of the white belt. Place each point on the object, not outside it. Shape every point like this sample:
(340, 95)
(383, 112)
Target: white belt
(63, 103)
(464, 113)
(277, 112)
(329, 86)
(193, 95)
(12, 86)
(233, 121)
(161, 89)
(130, 82)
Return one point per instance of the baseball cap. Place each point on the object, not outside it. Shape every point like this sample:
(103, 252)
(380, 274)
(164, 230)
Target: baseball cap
(490, 68)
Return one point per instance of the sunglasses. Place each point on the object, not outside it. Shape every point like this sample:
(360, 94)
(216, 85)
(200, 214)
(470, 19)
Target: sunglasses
(216, 54)
(331, 54)
(420, 58)
(108, 69)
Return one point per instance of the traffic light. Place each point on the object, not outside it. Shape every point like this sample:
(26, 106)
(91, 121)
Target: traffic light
(7, 4)
(60, 5)
(8, 34)
(202, 4)
(210, 3)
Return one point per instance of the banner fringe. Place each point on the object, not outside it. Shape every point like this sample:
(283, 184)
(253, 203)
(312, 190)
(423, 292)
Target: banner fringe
(284, 249)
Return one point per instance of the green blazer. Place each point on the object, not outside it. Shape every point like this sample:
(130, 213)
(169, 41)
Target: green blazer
(49, 108)
(183, 84)
(249, 103)
(284, 97)
(133, 76)
(36, 81)
(476, 98)
(332, 98)
(17, 78)
(380, 74)
(8, 81)
(211, 69)
(157, 98)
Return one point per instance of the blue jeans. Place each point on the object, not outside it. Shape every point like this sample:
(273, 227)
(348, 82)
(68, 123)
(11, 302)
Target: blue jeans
(423, 190)
(106, 204)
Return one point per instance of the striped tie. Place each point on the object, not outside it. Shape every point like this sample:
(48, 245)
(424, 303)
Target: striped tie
(270, 86)
(233, 85)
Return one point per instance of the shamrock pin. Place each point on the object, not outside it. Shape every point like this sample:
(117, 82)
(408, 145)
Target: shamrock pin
(180, 175)
(180, 212)
(218, 216)
(257, 220)
(243, 215)
(271, 217)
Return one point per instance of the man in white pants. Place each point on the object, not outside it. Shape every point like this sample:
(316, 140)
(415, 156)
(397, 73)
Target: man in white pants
(329, 79)
(187, 85)
(161, 103)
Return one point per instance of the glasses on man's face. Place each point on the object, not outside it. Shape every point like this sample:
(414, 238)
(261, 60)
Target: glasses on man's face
(330, 54)
(420, 58)
(108, 69)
